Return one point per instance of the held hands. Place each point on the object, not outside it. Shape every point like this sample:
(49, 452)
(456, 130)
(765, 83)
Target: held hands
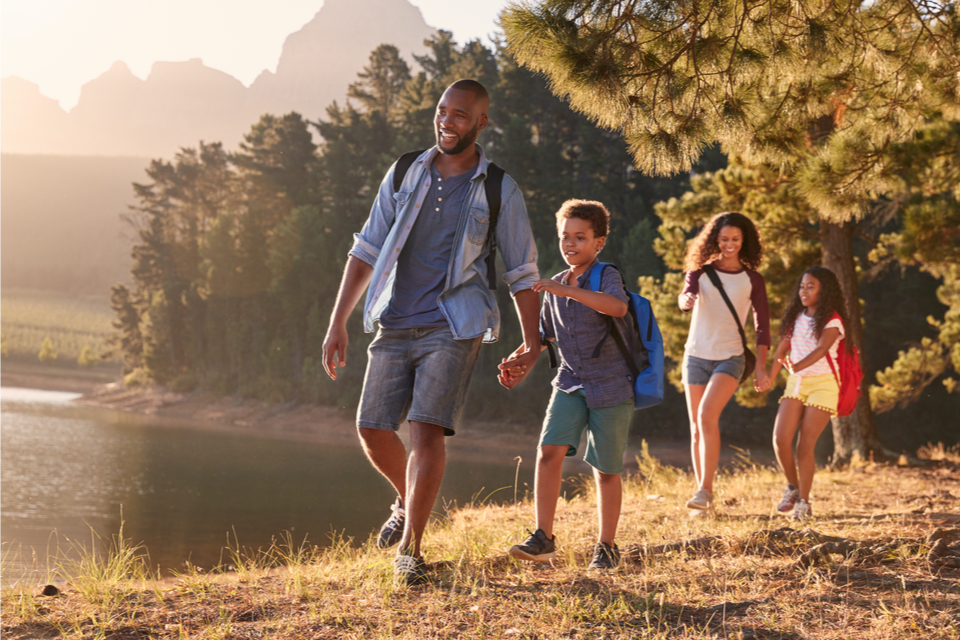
(515, 368)
(761, 380)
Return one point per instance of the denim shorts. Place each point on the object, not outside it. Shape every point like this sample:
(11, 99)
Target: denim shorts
(607, 429)
(697, 371)
(416, 374)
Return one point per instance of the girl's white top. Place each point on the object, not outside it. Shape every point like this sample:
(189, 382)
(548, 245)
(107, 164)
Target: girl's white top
(803, 341)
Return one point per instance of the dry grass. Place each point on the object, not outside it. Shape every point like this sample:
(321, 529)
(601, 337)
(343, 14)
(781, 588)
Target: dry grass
(881, 560)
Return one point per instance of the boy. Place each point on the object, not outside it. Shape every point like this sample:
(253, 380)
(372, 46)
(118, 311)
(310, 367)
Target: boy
(590, 393)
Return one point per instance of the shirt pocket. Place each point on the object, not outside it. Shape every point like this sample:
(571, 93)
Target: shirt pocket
(478, 224)
(401, 198)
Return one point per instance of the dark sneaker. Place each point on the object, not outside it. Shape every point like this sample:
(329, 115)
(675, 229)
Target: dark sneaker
(392, 529)
(605, 556)
(789, 499)
(537, 548)
(410, 570)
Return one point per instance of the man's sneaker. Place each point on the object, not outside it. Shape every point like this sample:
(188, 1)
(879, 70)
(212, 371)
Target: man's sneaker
(537, 548)
(702, 499)
(410, 570)
(392, 529)
(790, 497)
(605, 556)
(802, 510)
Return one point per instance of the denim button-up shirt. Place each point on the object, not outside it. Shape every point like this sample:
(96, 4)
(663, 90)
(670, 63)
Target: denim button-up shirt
(466, 301)
(606, 379)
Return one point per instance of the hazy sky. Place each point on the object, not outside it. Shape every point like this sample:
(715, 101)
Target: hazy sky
(62, 44)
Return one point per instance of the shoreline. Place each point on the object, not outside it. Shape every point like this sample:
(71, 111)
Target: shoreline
(310, 423)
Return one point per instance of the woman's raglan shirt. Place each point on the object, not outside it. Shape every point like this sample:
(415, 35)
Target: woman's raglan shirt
(713, 331)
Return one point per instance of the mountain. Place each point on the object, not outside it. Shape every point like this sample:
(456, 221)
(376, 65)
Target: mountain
(181, 103)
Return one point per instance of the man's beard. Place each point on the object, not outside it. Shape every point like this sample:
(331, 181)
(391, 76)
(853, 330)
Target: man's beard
(464, 143)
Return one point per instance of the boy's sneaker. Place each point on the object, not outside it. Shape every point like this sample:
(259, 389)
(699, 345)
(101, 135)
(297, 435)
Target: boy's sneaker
(605, 556)
(392, 529)
(802, 510)
(702, 499)
(537, 548)
(410, 570)
(789, 499)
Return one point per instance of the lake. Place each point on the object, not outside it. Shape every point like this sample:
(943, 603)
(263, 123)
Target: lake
(71, 473)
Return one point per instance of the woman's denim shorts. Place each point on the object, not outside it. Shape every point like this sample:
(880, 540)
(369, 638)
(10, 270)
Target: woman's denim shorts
(697, 371)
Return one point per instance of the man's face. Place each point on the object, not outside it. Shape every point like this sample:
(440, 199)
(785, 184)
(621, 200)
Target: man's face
(460, 118)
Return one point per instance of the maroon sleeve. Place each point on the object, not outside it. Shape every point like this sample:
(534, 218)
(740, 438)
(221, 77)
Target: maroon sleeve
(761, 312)
(691, 284)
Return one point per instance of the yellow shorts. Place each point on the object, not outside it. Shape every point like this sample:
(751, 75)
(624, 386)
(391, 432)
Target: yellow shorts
(821, 392)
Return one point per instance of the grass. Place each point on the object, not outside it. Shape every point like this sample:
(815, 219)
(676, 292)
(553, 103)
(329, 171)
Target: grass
(71, 323)
(881, 560)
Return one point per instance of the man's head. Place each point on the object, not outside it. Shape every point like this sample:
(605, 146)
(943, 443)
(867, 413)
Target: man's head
(461, 116)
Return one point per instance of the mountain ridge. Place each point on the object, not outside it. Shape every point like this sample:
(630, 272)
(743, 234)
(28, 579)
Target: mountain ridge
(182, 102)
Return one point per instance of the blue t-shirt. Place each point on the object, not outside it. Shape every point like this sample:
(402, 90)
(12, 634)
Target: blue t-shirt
(423, 264)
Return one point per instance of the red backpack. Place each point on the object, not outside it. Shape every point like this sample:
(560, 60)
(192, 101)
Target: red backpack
(849, 377)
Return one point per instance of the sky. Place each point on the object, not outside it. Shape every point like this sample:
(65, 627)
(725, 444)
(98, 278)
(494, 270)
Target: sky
(62, 44)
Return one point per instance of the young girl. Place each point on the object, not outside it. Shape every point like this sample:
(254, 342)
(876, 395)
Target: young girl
(714, 360)
(811, 328)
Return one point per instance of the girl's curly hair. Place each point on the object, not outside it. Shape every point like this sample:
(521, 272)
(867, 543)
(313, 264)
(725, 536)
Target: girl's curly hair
(705, 247)
(831, 301)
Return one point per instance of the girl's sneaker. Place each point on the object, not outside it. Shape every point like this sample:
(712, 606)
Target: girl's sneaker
(802, 510)
(789, 499)
(537, 548)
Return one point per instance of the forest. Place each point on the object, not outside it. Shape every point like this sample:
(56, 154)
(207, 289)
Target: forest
(240, 252)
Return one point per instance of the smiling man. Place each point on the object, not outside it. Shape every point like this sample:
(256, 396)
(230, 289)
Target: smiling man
(422, 252)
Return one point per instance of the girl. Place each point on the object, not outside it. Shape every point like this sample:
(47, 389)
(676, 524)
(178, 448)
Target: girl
(714, 358)
(810, 330)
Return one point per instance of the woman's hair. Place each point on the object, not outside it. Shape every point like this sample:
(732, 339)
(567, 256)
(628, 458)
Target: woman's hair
(831, 301)
(705, 247)
(591, 211)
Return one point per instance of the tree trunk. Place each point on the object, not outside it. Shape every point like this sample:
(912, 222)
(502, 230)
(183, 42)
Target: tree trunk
(855, 433)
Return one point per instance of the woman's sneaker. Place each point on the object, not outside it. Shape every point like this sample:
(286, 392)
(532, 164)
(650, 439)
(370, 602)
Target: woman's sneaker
(605, 557)
(802, 510)
(537, 548)
(702, 499)
(789, 499)
(392, 530)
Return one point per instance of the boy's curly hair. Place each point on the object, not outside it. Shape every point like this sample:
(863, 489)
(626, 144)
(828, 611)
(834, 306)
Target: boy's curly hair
(831, 301)
(590, 210)
(705, 248)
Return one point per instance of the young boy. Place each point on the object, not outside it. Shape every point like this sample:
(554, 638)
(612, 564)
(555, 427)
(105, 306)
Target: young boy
(590, 393)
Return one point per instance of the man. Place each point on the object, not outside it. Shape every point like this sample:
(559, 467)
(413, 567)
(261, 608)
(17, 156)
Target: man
(422, 252)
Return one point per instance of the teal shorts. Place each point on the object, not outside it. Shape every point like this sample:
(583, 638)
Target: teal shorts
(607, 429)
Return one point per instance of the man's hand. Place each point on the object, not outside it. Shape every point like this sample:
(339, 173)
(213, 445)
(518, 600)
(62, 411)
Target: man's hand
(335, 344)
(514, 369)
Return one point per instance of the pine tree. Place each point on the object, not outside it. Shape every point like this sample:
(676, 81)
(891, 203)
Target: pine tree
(47, 355)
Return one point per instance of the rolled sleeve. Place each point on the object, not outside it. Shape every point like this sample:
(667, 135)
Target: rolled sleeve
(515, 240)
(368, 243)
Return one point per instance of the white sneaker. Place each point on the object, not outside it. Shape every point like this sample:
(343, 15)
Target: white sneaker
(702, 499)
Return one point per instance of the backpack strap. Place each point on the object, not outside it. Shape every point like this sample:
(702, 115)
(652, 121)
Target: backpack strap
(404, 163)
(596, 276)
(493, 187)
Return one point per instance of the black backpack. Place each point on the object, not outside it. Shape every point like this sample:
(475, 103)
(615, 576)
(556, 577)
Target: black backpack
(492, 186)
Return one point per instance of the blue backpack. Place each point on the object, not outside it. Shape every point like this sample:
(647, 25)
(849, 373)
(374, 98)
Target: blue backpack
(645, 358)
